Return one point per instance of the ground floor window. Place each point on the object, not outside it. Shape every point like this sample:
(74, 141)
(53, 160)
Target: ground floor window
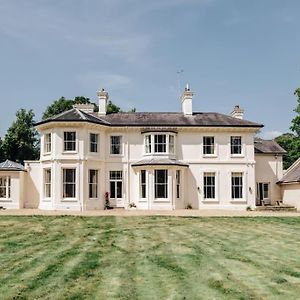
(178, 182)
(209, 180)
(116, 184)
(143, 184)
(5, 186)
(237, 185)
(93, 183)
(47, 183)
(161, 183)
(69, 183)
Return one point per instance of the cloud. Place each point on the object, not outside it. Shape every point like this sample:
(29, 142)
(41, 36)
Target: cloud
(270, 135)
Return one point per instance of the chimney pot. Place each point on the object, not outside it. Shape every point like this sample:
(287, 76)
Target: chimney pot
(103, 98)
(237, 112)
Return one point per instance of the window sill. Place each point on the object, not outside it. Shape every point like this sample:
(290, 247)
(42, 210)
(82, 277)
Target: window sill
(162, 200)
(210, 155)
(46, 153)
(46, 200)
(210, 201)
(6, 200)
(143, 200)
(237, 155)
(69, 200)
(93, 199)
(238, 201)
(69, 152)
(116, 155)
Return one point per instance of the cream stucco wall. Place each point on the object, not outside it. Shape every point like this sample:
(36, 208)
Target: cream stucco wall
(189, 149)
(16, 198)
(291, 194)
(269, 169)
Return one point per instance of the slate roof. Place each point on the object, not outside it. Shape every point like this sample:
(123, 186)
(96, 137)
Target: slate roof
(205, 119)
(11, 166)
(159, 162)
(292, 174)
(267, 147)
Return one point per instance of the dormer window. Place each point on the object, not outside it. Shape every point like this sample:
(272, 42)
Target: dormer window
(162, 143)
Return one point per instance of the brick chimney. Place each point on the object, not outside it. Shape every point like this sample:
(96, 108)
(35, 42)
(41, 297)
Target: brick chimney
(103, 98)
(186, 101)
(237, 112)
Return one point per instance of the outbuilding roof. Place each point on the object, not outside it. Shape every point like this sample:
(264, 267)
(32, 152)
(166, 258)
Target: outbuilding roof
(11, 166)
(292, 174)
(267, 147)
(198, 119)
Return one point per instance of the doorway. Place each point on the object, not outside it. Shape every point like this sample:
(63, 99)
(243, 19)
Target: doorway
(263, 194)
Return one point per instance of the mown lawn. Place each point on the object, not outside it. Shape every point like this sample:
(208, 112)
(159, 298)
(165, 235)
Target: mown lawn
(149, 258)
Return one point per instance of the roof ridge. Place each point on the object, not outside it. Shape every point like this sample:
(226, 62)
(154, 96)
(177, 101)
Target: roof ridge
(80, 113)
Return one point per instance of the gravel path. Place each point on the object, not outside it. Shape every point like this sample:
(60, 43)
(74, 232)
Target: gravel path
(133, 212)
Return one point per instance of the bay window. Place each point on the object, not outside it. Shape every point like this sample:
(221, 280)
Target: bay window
(47, 143)
(159, 143)
(143, 183)
(178, 182)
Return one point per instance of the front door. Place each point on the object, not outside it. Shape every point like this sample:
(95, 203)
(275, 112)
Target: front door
(263, 194)
(116, 189)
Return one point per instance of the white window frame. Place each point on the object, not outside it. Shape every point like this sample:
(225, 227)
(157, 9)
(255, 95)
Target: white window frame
(150, 145)
(120, 143)
(96, 144)
(143, 184)
(206, 187)
(6, 187)
(47, 143)
(75, 142)
(116, 179)
(47, 185)
(241, 154)
(93, 184)
(237, 199)
(165, 183)
(73, 183)
(204, 145)
(178, 179)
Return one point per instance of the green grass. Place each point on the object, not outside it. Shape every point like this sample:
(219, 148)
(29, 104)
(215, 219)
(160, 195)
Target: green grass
(149, 258)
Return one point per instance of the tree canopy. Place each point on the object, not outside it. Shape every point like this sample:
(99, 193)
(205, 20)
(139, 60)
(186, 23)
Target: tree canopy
(21, 140)
(291, 141)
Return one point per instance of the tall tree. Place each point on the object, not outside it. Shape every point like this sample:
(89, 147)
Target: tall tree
(63, 104)
(296, 121)
(1, 151)
(291, 141)
(21, 140)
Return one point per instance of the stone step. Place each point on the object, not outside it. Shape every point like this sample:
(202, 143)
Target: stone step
(276, 208)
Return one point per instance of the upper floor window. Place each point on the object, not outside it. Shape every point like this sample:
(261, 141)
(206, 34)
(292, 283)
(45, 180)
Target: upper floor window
(159, 143)
(94, 142)
(208, 145)
(47, 143)
(5, 187)
(236, 144)
(148, 143)
(69, 141)
(116, 144)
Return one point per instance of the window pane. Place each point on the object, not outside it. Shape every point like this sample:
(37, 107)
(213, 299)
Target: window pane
(161, 183)
(171, 143)
(160, 143)
(70, 141)
(112, 189)
(237, 185)
(208, 145)
(93, 183)
(115, 145)
(209, 185)
(69, 184)
(119, 189)
(236, 144)
(143, 183)
(148, 144)
(93, 142)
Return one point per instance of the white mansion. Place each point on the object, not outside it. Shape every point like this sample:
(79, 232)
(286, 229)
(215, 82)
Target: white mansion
(144, 159)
